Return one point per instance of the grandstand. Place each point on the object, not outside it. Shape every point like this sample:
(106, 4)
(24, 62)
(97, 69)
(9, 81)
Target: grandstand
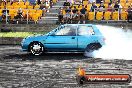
(28, 10)
(34, 14)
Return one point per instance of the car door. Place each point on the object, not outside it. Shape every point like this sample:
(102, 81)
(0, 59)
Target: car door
(84, 36)
(63, 39)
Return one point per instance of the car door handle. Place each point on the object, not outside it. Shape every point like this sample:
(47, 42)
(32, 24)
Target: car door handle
(73, 37)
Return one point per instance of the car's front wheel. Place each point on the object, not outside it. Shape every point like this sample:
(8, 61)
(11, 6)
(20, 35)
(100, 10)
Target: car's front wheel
(36, 48)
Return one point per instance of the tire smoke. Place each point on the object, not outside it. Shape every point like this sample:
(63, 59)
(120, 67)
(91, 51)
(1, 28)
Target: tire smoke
(118, 43)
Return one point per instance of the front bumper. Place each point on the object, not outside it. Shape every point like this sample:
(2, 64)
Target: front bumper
(25, 50)
(24, 47)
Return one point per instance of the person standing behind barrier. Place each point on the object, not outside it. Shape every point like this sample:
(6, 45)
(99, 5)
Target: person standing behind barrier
(67, 16)
(38, 2)
(4, 2)
(43, 7)
(109, 7)
(19, 16)
(66, 4)
(91, 1)
(47, 5)
(101, 7)
(75, 15)
(129, 17)
(32, 2)
(60, 16)
(98, 1)
(93, 7)
(83, 14)
(116, 6)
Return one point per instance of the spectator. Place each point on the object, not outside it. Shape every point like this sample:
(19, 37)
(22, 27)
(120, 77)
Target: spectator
(43, 7)
(75, 15)
(68, 9)
(43, 3)
(5, 13)
(83, 14)
(109, 7)
(47, 5)
(129, 17)
(13, 1)
(66, 4)
(71, 1)
(32, 2)
(91, 1)
(7, 1)
(75, 10)
(93, 7)
(51, 3)
(4, 2)
(101, 7)
(60, 16)
(67, 16)
(98, 1)
(38, 2)
(111, 1)
(19, 14)
(25, 1)
(78, 2)
(120, 8)
(116, 6)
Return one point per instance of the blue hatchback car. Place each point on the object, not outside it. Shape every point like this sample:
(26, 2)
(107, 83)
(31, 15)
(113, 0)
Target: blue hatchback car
(65, 38)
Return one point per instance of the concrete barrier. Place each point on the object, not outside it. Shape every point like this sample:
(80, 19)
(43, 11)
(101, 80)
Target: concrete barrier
(49, 27)
(27, 27)
(10, 40)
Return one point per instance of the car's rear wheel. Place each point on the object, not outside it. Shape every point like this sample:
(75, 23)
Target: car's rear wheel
(36, 48)
(93, 46)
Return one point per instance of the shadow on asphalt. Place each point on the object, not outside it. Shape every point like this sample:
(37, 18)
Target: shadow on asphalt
(47, 56)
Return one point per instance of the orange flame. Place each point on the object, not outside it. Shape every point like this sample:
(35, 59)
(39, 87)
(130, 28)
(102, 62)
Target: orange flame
(81, 71)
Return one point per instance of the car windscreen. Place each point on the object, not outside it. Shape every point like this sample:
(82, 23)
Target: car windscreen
(85, 30)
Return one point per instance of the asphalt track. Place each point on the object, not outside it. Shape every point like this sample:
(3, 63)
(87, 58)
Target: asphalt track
(57, 70)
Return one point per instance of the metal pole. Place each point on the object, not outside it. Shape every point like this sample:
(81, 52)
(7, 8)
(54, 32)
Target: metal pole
(6, 13)
(94, 14)
(118, 13)
(27, 16)
(71, 16)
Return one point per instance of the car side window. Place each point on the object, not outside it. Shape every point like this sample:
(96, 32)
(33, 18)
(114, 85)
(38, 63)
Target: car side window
(85, 30)
(67, 31)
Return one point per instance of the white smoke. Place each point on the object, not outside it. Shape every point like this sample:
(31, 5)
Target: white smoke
(118, 43)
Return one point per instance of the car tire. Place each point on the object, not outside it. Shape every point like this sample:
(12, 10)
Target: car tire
(93, 46)
(36, 48)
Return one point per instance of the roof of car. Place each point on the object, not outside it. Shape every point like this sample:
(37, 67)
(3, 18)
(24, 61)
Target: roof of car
(80, 24)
